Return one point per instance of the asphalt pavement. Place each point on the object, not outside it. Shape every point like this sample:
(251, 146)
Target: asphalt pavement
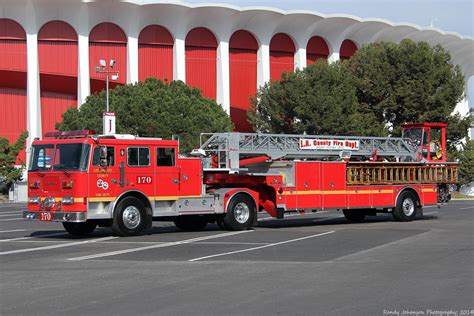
(317, 264)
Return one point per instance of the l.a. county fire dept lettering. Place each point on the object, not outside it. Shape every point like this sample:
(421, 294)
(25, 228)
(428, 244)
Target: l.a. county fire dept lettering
(329, 144)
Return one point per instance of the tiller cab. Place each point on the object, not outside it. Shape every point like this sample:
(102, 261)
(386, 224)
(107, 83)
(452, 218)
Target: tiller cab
(127, 182)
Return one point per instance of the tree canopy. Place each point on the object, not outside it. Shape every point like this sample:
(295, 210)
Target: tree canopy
(320, 99)
(466, 166)
(152, 108)
(8, 157)
(381, 87)
(410, 82)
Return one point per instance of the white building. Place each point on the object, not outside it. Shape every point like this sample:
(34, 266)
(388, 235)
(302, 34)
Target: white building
(49, 50)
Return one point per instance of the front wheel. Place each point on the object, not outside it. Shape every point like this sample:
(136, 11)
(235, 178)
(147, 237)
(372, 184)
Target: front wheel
(79, 230)
(130, 218)
(405, 210)
(240, 213)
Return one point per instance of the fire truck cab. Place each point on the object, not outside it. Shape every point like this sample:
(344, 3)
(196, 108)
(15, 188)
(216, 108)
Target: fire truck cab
(120, 181)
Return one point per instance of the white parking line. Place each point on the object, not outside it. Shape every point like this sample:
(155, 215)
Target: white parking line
(9, 215)
(55, 246)
(11, 212)
(169, 244)
(261, 247)
(13, 230)
(11, 219)
(29, 237)
(466, 208)
(430, 213)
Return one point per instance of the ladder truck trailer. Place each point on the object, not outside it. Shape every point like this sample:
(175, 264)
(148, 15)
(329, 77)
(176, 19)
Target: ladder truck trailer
(126, 182)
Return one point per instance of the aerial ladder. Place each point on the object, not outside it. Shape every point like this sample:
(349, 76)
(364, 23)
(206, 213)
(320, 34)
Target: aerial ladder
(370, 160)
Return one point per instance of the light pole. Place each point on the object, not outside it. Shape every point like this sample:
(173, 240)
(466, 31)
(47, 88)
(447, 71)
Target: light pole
(108, 118)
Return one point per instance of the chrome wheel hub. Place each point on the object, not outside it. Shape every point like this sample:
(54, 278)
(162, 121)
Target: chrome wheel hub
(131, 217)
(241, 213)
(408, 207)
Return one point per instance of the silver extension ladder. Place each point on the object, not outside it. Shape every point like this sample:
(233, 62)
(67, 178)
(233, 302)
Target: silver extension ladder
(231, 147)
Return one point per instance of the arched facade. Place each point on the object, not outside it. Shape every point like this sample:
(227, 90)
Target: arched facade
(58, 76)
(155, 53)
(201, 58)
(206, 46)
(13, 72)
(282, 55)
(348, 49)
(107, 41)
(243, 48)
(316, 49)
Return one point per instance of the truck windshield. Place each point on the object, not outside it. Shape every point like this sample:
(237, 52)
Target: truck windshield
(414, 134)
(59, 157)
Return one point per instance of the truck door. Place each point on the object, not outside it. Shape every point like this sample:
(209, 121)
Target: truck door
(104, 176)
(167, 174)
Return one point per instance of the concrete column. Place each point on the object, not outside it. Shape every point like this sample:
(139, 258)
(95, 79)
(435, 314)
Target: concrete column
(300, 58)
(179, 60)
(333, 57)
(32, 90)
(263, 64)
(223, 76)
(132, 59)
(83, 80)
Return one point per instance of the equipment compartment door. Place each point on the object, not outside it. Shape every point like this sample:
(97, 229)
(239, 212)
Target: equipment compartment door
(308, 185)
(334, 184)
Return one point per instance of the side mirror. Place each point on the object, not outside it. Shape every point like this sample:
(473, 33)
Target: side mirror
(103, 156)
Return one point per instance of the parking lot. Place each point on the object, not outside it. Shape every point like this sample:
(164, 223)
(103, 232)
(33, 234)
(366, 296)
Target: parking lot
(306, 265)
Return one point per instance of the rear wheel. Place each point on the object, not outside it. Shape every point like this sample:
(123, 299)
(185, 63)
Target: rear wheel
(80, 229)
(354, 216)
(405, 210)
(240, 213)
(191, 222)
(130, 218)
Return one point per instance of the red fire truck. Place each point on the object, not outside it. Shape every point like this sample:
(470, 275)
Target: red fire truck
(126, 182)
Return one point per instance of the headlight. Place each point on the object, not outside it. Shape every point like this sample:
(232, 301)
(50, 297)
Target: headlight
(67, 200)
(49, 202)
(35, 200)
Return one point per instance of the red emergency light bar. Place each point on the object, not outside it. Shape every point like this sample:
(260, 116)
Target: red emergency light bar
(70, 134)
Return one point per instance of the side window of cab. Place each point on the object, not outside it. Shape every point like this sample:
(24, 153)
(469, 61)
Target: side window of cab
(165, 157)
(110, 156)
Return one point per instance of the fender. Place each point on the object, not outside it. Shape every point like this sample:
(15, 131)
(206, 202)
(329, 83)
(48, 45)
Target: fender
(225, 195)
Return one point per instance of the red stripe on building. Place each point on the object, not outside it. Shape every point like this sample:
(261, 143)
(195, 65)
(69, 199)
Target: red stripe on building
(13, 115)
(155, 53)
(58, 73)
(243, 77)
(282, 55)
(201, 57)
(348, 49)
(12, 81)
(107, 41)
(53, 105)
(316, 49)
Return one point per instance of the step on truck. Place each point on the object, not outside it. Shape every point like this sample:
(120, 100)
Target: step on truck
(126, 182)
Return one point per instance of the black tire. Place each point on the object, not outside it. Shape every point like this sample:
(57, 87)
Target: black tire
(191, 222)
(354, 216)
(240, 213)
(130, 217)
(405, 210)
(80, 230)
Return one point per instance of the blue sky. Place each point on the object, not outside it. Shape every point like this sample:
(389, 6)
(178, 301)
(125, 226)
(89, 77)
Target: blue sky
(448, 15)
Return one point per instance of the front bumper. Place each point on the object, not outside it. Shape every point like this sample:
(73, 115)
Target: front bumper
(70, 217)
